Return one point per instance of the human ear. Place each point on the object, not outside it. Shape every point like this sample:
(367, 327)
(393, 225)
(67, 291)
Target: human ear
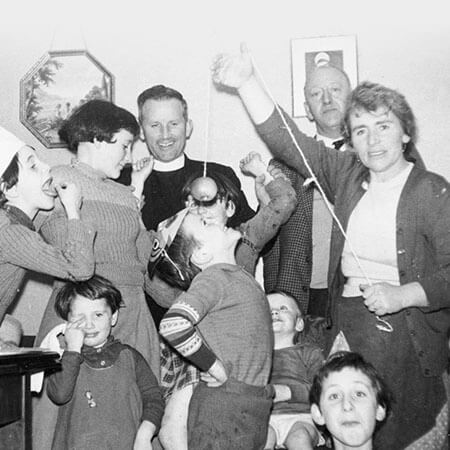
(9, 193)
(381, 413)
(317, 415)
(189, 128)
(308, 112)
(299, 324)
(114, 318)
(231, 208)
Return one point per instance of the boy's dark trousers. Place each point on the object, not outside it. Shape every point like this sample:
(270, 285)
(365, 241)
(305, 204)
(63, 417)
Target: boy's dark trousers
(232, 416)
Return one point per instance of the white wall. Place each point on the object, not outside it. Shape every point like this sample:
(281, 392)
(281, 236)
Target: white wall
(401, 44)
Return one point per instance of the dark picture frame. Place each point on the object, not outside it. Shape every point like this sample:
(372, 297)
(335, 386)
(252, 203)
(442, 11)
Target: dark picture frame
(57, 84)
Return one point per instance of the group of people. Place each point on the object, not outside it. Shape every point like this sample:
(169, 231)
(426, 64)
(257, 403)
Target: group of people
(152, 240)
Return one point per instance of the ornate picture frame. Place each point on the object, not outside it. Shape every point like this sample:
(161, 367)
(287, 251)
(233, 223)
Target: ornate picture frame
(59, 82)
(339, 51)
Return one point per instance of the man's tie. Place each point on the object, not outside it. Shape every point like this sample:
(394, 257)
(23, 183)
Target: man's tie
(338, 144)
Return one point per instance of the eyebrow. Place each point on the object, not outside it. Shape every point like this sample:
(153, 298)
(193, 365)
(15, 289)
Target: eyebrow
(352, 381)
(378, 122)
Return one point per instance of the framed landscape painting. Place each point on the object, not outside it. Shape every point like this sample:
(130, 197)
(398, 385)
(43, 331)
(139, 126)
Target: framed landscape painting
(56, 85)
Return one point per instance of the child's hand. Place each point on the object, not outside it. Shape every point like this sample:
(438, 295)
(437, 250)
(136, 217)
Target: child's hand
(71, 199)
(74, 335)
(282, 393)
(216, 375)
(144, 436)
(253, 165)
(142, 163)
(276, 172)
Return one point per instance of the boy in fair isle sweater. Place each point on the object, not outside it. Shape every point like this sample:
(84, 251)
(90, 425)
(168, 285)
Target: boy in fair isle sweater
(222, 324)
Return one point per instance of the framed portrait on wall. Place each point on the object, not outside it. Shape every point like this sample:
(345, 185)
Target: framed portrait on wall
(57, 84)
(308, 53)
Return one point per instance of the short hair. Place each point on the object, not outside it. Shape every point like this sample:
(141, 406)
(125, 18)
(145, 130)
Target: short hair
(96, 119)
(95, 288)
(9, 178)
(341, 360)
(368, 96)
(226, 189)
(324, 66)
(161, 92)
(175, 266)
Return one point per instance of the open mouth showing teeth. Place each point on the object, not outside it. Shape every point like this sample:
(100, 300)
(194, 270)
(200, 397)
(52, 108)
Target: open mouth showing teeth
(49, 188)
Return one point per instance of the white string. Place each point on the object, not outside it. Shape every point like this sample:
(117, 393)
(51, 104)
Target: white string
(208, 112)
(387, 326)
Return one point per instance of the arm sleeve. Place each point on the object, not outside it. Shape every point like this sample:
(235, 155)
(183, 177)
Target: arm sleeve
(61, 384)
(436, 213)
(70, 258)
(178, 325)
(265, 224)
(152, 399)
(327, 164)
(163, 294)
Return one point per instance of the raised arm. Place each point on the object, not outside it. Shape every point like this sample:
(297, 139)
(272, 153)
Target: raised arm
(276, 128)
(270, 216)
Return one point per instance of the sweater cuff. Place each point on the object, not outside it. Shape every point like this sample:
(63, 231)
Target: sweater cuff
(203, 358)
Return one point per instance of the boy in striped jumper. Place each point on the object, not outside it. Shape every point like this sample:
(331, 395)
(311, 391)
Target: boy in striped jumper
(222, 324)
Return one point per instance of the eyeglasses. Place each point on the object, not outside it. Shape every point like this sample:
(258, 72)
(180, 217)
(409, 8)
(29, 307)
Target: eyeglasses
(203, 203)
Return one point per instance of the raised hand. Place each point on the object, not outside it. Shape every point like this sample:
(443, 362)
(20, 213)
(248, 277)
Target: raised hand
(252, 164)
(232, 70)
(74, 335)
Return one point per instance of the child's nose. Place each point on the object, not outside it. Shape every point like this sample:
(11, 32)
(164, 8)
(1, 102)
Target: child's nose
(347, 403)
(275, 312)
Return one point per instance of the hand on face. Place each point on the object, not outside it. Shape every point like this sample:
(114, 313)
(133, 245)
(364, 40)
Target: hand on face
(74, 335)
(71, 198)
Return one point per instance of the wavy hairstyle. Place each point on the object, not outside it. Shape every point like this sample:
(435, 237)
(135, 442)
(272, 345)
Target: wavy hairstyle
(96, 119)
(368, 97)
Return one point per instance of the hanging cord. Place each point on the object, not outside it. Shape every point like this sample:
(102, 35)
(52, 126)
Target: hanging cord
(208, 112)
(384, 325)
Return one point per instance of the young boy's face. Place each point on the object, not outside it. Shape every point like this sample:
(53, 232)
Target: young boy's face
(212, 238)
(216, 211)
(348, 407)
(34, 181)
(96, 319)
(286, 316)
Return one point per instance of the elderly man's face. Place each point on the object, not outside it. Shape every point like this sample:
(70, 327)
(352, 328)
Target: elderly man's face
(326, 94)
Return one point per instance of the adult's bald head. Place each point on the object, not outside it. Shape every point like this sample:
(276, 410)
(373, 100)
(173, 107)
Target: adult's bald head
(327, 90)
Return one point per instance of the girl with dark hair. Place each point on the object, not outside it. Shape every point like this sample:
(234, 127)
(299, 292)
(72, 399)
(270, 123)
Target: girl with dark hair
(26, 187)
(101, 134)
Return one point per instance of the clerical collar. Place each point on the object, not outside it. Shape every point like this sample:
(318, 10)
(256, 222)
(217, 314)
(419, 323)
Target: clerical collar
(17, 216)
(170, 166)
(329, 142)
